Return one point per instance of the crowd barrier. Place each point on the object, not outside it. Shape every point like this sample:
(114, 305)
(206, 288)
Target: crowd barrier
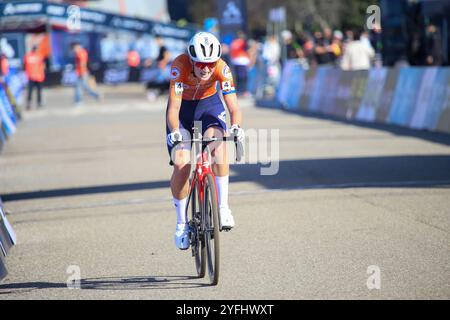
(414, 97)
(10, 93)
(7, 240)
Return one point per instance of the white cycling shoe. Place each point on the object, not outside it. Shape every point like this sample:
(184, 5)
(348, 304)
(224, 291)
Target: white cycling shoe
(182, 236)
(226, 218)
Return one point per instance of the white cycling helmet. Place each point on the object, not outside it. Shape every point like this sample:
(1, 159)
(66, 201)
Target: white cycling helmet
(204, 47)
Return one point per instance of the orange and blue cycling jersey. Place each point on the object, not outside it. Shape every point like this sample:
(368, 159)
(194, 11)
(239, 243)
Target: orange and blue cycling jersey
(184, 84)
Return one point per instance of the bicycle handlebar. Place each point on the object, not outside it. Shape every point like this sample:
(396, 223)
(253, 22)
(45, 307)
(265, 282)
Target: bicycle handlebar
(207, 141)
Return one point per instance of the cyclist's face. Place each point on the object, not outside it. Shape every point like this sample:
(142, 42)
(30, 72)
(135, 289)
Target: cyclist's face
(204, 71)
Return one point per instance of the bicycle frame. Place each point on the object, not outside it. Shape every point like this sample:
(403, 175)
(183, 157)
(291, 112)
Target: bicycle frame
(202, 168)
(206, 227)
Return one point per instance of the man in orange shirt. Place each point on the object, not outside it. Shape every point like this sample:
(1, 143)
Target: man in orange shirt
(134, 61)
(81, 62)
(240, 61)
(4, 67)
(35, 70)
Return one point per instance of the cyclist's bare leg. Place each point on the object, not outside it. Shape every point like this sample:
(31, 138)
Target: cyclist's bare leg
(179, 187)
(181, 169)
(221, 170)
(218, 151)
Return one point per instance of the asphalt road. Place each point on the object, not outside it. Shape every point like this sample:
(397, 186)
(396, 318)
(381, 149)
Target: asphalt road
(88, 187)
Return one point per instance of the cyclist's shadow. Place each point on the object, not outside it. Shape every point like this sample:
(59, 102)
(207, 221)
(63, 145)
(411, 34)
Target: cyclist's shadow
(111, 283)
(142, 283)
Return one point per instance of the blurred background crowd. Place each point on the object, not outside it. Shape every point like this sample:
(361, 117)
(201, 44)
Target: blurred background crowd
(135, 41)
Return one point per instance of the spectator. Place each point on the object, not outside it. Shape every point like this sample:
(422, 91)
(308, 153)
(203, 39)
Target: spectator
(133, 61)
(377, 44)
(291, 47)
(253, 52)
(161, 67)
(308, 50)
(240, 61)
(335, 48)
(226, 53)
(302, 60)
(357, 54)
(321, 53)
(433, 46)
(271, 55)
(365, 39)
(4, 67)
(34, 67)
(349, 36)
(81, 68)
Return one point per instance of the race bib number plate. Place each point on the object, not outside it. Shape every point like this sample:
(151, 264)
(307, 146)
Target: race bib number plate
(178, 88)
(226, 86)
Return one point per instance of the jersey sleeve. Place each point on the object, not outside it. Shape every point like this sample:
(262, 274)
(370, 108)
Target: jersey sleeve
(225, 78)
(177, 78)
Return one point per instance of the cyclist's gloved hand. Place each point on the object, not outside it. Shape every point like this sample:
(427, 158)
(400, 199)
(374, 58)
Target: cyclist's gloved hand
(174, 137)
(238, 132)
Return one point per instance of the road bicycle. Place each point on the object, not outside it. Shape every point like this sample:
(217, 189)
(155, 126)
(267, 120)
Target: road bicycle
(202, 207)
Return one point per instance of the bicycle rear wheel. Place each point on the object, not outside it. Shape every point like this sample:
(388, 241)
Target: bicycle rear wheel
(196, 237)
(211, 222)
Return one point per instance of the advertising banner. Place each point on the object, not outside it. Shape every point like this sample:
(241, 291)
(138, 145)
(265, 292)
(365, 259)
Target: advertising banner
(3, 271)
(232, 18)
(423, 98)
(116, 75)
(5, 239)
(10, 231)
(358, 87)
(74, 18)
(384, 108)
(329, 95)
(405, 95)
(437, 100)
(414, 97)
(372, 97)
(6, 113)
(292, 85)
(343, 94)
(316, 99)
(444, 119)
(305, 97)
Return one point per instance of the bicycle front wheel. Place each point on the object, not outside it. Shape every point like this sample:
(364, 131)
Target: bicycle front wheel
(197, 239)
(211, 229)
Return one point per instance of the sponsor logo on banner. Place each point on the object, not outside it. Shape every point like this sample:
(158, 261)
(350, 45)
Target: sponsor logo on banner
(232, 14)
(174, 73)
(25, 8)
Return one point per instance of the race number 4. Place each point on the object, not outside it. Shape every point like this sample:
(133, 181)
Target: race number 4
(226, 86)
(178, 88)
